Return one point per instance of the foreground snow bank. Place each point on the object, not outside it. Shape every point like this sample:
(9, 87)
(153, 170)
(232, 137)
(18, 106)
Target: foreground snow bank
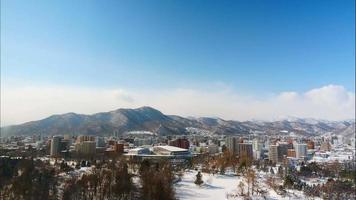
(223, 187)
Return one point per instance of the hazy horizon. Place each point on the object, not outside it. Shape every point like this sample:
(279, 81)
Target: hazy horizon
(116, 95)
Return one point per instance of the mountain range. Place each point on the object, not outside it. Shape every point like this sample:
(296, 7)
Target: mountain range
(124, 121)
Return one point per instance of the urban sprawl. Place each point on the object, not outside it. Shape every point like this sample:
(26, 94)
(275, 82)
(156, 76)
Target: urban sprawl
(144, 165)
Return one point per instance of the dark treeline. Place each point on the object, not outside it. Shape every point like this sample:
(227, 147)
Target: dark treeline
(109, 181)
(339, 185)
(28, 179)
(122, 179)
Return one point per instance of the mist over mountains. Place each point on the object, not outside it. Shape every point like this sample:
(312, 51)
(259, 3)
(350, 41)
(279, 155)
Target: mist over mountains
(123, 121)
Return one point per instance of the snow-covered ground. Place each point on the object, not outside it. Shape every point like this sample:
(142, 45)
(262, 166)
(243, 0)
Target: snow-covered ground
(218, 187)
(214, 187)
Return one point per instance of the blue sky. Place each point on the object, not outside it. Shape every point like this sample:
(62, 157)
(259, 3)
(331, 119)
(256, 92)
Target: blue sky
(253, 47)
(249, 45)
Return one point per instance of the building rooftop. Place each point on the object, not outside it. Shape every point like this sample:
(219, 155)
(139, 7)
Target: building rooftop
(172, 148)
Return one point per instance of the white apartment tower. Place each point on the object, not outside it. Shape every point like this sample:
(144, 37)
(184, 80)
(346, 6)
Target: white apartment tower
(300, 150)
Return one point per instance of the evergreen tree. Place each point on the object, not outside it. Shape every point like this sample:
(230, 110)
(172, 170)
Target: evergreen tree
(198, 180)
(288, 182)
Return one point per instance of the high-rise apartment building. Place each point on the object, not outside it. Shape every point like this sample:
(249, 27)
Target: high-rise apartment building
(83, 138)
(231, 144)
(100, 142)
(273, 153)
(245, 150)
(86, 148)
(282, 148)
(56, 146)
(300, 150)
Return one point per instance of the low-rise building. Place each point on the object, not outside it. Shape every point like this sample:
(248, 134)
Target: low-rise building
(139, 151)
(213, 149)
(291, 153)
(180, 142)
(170, 150)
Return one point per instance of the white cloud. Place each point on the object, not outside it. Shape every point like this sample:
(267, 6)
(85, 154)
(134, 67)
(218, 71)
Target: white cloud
(21, 104)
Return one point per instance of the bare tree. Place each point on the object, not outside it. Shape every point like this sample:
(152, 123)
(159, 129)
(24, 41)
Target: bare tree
(241, 187)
